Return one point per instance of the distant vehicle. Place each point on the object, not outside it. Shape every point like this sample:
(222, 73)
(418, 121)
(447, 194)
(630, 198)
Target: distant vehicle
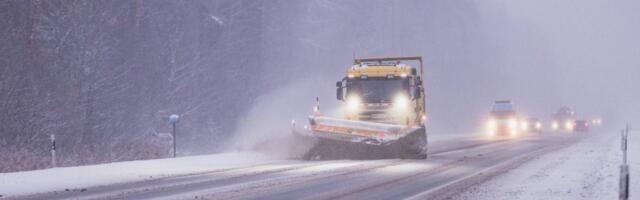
(563, 120)
(503, 119)
(532, 125)
(581, 126)
(596, 121)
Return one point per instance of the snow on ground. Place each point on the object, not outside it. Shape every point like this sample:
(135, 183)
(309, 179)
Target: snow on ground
(586, 170)
(453, 136)
(57, 179)
(47, 180)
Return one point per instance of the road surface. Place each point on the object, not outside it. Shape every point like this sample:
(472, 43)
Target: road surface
(452, 166)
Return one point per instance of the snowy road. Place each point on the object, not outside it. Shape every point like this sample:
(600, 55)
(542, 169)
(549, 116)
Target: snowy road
(453, 165)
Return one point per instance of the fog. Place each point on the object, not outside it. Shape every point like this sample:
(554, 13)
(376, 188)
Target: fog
(540, 54)
(576, 53)
(105, 75)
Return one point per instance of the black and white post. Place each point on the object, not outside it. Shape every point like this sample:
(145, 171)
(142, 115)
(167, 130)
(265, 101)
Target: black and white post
(174, 119)
(53, 150)
(624, 168)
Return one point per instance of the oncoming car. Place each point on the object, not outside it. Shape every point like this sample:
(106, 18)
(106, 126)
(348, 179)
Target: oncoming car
(503, 120)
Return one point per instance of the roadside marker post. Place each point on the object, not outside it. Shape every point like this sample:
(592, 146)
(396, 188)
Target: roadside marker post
(624, 168)
(53, 150)
(174, 119)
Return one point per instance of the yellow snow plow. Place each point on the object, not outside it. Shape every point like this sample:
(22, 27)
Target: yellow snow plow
(383, 112)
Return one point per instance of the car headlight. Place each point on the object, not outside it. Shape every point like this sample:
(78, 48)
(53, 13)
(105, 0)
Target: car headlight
(596, 121)
(538, 125)
(524, 125)
(401, 103)
(555, 125)
(353, 104)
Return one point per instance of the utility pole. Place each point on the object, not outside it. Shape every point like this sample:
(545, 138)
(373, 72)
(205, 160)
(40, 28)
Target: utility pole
(174, 119)
(53, 150)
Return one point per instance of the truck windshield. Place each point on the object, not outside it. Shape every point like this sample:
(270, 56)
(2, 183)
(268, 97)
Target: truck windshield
(377, 89)
(503, 110)
(502, 107)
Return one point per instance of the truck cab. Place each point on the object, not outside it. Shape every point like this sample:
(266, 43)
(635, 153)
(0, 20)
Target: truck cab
(383, 92)
(383, 100)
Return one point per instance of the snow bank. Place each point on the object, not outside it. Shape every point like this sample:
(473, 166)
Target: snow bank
(47, 180)
(586, 170)
(634, 164)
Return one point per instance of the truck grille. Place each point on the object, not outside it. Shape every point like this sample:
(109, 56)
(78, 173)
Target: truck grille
(378, 115)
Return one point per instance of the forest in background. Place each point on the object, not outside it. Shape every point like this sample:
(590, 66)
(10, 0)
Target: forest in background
(104, 76)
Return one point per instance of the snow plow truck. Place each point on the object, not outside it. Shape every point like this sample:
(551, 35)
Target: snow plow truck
(383, 108)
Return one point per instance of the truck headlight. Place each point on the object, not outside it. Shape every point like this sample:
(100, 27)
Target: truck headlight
(353, 104)
(538, 125)
(555, 125)
(401, 103)
(492, 124)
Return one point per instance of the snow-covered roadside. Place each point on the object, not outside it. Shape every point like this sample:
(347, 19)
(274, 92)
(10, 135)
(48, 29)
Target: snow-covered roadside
(47, 180)
(586, 170)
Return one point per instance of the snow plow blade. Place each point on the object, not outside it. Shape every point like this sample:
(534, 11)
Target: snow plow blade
(349, 139)
(358, 131)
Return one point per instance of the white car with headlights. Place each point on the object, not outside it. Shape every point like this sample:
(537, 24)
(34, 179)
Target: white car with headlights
(503, 120)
